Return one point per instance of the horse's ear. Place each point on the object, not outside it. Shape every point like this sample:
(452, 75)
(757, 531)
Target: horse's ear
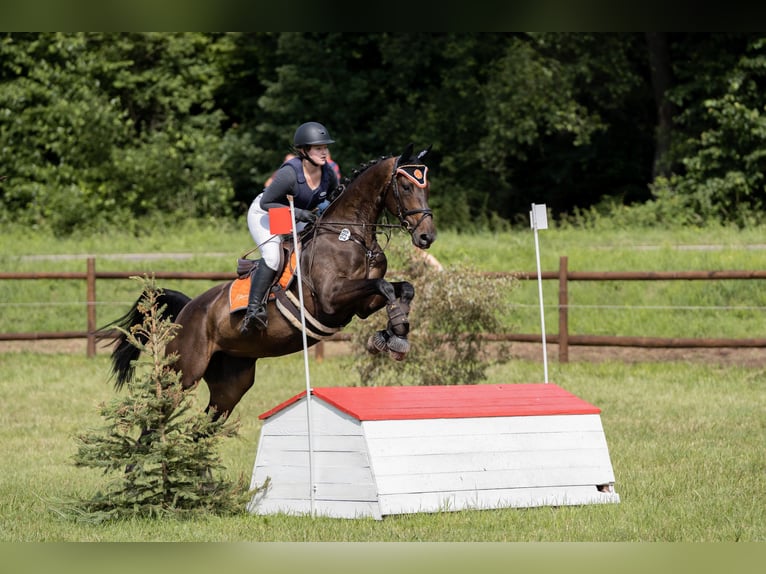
(424, 152)
(406, 154)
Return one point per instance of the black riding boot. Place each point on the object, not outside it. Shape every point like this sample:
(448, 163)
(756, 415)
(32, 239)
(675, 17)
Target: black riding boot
(256, 315)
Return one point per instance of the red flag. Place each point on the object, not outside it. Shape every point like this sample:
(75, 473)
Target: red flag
(280, 220)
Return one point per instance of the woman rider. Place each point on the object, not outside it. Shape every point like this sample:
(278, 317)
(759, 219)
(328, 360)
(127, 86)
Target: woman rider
(309, 179)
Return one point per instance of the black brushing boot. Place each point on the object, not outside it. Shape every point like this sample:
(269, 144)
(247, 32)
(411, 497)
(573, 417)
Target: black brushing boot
(256, 315)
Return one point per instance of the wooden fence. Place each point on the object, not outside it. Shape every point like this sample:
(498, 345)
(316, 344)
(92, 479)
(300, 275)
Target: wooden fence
(563, 339)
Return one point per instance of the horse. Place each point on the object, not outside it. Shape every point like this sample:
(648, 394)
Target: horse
(343, 271)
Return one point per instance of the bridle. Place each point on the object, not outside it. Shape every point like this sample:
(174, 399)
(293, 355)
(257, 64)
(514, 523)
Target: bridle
(417, 175)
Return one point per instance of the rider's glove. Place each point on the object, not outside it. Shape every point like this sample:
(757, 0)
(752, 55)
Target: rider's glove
(305, 215)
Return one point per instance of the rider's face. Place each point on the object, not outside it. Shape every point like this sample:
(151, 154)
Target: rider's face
(318, 153)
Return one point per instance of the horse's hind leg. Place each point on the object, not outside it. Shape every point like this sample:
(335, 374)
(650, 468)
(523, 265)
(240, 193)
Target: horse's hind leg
(228, 379)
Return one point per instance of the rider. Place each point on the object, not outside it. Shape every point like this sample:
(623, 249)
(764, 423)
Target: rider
(309, 179)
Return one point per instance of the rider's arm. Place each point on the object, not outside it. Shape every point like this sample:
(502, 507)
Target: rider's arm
(276, 194)
(282, 185)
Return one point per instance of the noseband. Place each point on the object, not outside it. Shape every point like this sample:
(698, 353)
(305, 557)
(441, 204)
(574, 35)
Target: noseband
(417, 175)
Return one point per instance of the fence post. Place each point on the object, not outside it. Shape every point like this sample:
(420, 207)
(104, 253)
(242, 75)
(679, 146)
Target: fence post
(563, 311)
(91, 305)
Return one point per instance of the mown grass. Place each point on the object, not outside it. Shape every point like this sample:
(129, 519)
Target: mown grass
(686, 443)
(686, 440)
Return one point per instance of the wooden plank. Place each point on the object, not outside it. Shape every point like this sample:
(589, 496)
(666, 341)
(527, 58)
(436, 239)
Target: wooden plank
(488, 461)
(480, 426)
(324, 491)
(326, 420)
(298, 473)
(449, 501)
(321, 459)
(455, 401)
(481, 480)
(321, 442)
(484, 443)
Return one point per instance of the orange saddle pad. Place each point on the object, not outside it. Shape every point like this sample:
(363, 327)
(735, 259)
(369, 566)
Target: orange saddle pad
(239, 291)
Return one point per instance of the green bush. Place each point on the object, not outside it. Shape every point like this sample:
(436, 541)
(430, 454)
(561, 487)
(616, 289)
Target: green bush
(451, 309)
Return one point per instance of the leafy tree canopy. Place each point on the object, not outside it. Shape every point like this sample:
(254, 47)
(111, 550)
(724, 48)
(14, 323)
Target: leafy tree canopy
(105, 128)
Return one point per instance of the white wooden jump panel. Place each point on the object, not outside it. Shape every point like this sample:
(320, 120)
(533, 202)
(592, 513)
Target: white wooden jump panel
(399, 450)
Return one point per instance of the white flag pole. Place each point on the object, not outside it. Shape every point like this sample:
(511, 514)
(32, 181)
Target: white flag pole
(312, 486)
(538, 218)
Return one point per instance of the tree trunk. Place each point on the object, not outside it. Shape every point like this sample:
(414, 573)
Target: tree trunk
(662, 79)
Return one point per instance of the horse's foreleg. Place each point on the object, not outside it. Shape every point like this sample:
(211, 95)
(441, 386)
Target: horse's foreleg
(399, 309)
(378, 293)
(404, 291)
(394, 338)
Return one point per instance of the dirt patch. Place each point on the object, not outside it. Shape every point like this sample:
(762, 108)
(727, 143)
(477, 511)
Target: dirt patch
(744, 357)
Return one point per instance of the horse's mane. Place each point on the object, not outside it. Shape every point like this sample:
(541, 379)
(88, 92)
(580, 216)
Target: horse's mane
(335, 194)
(364, 167)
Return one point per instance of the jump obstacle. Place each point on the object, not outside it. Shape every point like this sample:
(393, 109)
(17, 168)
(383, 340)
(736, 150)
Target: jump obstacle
(353, 452)
(379, 451)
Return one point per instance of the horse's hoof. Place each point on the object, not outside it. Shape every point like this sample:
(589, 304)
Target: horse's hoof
(398, 345)
(376, 343)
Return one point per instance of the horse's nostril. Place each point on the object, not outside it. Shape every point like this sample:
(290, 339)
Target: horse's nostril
(426, 239)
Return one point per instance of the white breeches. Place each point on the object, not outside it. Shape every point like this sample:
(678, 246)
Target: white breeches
(268, 244)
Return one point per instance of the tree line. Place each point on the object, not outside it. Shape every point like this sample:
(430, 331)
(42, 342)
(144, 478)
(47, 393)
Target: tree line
(105, 128)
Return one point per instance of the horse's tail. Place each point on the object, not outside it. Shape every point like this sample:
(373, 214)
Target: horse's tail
(125, 353)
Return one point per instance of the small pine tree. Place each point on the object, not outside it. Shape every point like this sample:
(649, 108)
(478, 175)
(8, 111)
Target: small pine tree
(160, 443)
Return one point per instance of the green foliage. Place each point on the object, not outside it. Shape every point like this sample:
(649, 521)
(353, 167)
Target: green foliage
(451, 310)
(666, 210)
(724, 157)
(163, 449)
(100, 128)
(104, 128)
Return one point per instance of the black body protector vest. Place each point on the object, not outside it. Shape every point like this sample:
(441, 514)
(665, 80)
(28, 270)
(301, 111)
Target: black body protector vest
(305, 197)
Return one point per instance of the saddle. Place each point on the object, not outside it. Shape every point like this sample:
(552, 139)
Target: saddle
(239, 291)
(287, 303)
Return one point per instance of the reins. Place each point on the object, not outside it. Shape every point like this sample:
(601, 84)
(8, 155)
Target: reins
(417, 175)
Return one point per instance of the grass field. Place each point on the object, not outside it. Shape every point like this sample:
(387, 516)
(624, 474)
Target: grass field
(686, 438)
(725, 309)
(686, 442)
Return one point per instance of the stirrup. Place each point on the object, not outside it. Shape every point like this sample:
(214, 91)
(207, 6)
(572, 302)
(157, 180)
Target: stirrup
(257, 317)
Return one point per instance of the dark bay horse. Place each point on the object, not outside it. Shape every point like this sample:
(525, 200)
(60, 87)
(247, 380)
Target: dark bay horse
(343, 269)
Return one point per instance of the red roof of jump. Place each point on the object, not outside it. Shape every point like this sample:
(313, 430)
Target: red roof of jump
(448, 401)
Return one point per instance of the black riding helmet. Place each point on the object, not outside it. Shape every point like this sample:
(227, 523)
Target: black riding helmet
(311, 133)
